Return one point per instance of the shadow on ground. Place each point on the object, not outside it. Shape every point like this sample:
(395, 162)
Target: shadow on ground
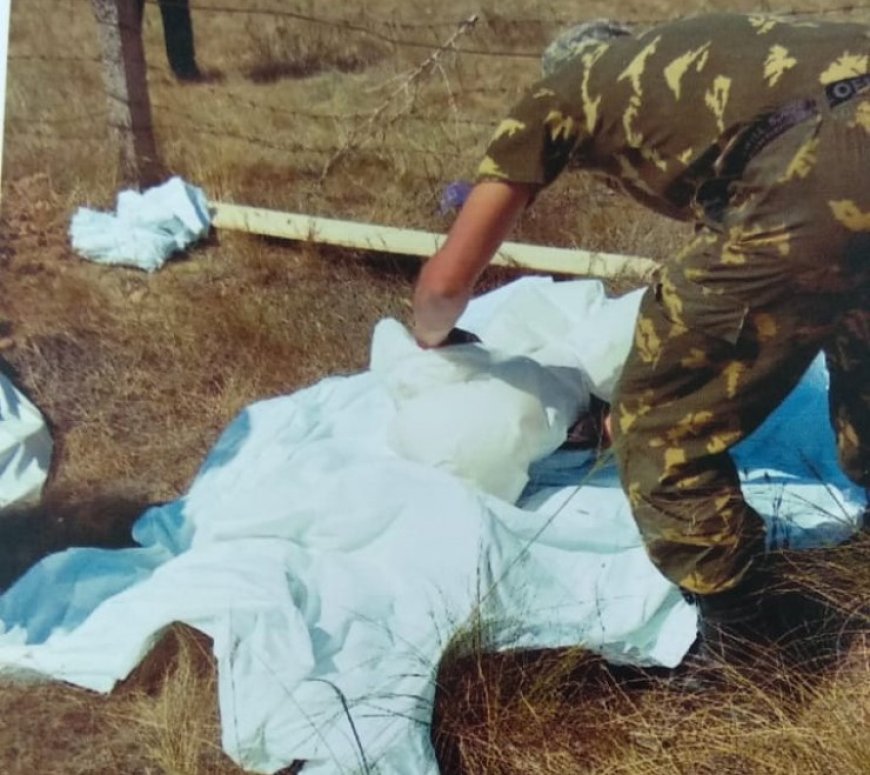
(30, 533)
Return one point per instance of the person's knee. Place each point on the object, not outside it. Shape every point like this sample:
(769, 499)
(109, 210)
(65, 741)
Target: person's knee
(639, 471)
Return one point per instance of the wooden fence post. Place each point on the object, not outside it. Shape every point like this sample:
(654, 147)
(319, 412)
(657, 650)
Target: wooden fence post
(120, 28)
(4, 52)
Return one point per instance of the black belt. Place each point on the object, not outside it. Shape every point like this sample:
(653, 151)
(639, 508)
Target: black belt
(771, 125)
(713, 193)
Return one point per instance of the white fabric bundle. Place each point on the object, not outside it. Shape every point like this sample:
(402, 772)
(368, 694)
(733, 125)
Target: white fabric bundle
(481, 415)
(25, 448)
(486, 412)
(145, 228)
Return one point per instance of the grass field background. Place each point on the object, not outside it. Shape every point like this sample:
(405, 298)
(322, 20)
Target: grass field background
(137, 374)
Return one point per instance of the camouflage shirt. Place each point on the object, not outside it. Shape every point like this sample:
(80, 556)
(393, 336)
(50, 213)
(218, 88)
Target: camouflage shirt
(647, 110)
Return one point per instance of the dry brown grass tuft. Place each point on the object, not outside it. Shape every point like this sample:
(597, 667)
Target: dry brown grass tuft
(139, 373)
(840, 576)
(163, 719)
(282, 50)
(553, 713)
(169, 703)
(797, 705)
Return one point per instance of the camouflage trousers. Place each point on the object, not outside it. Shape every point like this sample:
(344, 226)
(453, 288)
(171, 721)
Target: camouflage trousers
(781, 273)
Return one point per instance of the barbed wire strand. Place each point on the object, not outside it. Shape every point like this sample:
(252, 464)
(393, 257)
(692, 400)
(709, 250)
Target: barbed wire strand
(184, 124)
(486, 18)
(350, 26)
(405, 83)
(17, 122)
(261, 143)
(52, 58)
(54, 136)
(336, 117)
(80, 119)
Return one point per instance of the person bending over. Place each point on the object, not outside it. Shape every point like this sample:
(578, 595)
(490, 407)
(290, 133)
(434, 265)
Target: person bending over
(757, 130)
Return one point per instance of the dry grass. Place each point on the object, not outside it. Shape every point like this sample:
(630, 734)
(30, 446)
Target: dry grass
(798, 706)
(138, 373)
(163, 719)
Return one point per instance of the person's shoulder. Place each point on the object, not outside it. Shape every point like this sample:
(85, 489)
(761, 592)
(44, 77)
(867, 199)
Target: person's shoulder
(685, 31)
(712, 24)
(741, 32)
(724, 23)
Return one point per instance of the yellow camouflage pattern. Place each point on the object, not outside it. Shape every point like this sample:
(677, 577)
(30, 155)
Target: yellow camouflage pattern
(793, 268)
(776, 273)
(644, 109)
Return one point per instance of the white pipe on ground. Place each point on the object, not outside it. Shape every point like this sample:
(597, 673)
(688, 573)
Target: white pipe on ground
(411, 242)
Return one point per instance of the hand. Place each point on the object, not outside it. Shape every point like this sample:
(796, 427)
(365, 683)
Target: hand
(454, 337)
(459, 336)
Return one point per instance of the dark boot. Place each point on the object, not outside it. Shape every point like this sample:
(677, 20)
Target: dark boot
(766, 611)
(178, 36)
(730, 624)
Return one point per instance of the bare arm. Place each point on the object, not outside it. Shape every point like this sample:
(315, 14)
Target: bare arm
(447, 279)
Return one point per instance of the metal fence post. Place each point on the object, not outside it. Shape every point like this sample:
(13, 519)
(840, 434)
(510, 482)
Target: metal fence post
(120, 28)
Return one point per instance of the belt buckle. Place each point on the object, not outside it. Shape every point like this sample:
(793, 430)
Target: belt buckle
(840, 91)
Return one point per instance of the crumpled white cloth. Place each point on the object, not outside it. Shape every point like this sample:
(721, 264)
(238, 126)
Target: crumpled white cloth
(145, 229)
(331, 572)
(481, 414)
(25, 448)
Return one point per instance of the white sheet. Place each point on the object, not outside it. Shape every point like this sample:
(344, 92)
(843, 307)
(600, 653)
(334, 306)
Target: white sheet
(25, 448)
(331, 572)
(145, 228)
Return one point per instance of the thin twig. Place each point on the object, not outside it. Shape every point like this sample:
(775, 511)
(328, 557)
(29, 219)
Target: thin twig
(431, 62)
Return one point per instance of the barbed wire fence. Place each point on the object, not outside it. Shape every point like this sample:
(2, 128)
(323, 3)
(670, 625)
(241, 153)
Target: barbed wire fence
(392, 128)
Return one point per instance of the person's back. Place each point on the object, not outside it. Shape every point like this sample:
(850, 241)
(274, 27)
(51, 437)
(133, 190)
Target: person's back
(646, 109)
